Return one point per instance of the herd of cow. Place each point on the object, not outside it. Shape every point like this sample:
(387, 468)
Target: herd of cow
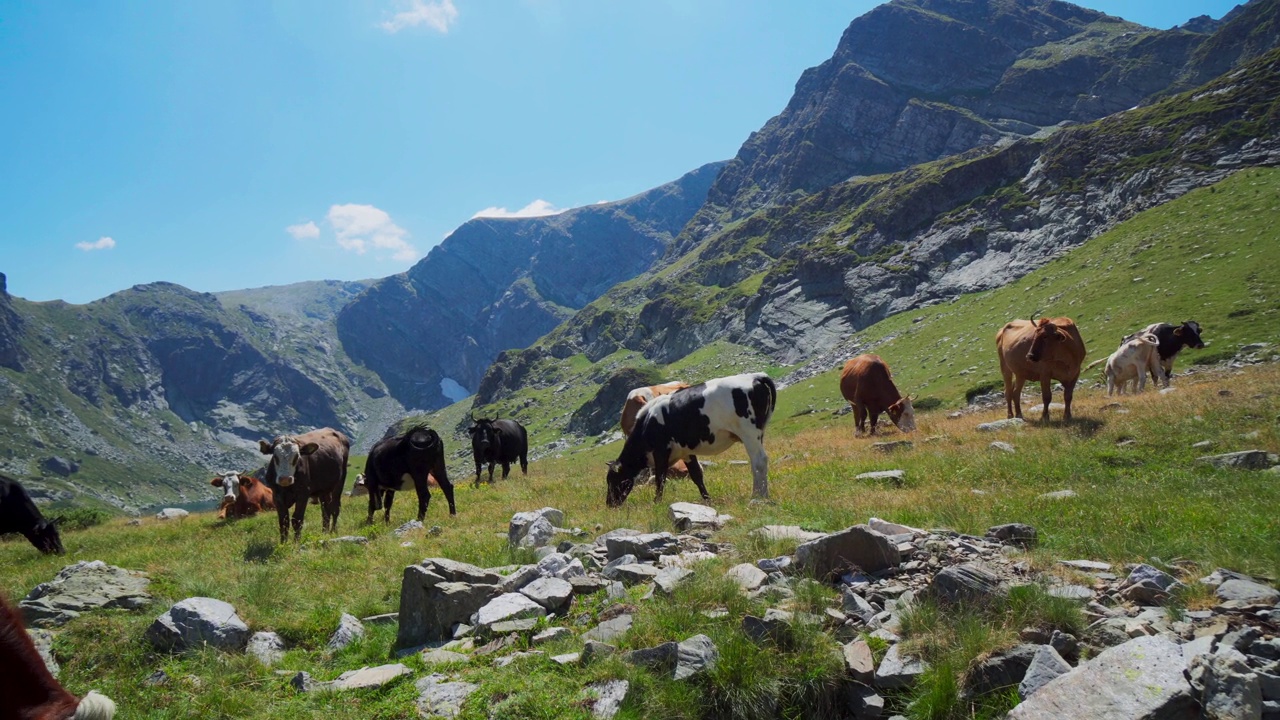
(666, 428)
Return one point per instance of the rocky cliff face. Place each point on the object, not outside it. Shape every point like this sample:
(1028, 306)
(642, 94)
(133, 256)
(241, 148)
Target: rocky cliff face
(497, 284)
(10, 330)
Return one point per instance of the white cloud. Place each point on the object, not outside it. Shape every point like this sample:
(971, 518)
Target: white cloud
(537, 208)
(303, 231)
(360, 227)
(102, 243)
(438, 15)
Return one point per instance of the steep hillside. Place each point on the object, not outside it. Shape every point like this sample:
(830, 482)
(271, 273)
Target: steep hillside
(795, 279)
(136, 398)
(496, 284)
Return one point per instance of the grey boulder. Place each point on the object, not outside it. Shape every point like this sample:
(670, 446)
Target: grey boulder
(649, 546)
(349, 630)
(440, 698)
(1243, 460)
(84, 586)
(858, 546)
(1247, 591)
(551, 593)
(437, 594)
(970, 582)
(1045, 666)
(267, 647)
(687, 516)
(505, 608)
(1149, 585)
(198, 621)
(606, 698)
(897, 670)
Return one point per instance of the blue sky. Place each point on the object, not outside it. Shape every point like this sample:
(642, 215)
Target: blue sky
(225, 145)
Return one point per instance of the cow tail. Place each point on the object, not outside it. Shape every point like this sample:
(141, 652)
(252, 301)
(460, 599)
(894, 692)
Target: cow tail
(95, 706)
(1095, 363)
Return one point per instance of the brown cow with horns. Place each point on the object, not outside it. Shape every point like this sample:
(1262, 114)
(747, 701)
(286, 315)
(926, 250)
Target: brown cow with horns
(868, 386)
(1047, 349)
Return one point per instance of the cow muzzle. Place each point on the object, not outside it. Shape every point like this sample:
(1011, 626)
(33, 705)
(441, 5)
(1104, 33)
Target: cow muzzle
(285, 481)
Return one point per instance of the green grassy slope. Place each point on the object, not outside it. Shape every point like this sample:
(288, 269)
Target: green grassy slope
(1212, 256)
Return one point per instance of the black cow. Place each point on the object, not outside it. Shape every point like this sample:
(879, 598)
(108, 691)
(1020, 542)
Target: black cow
(499, 441)
(409, 456)
(1172, 339)
(19, 515)
(304, 468)
(704, 419)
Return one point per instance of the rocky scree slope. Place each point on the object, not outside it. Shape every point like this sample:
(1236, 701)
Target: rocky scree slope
(794, 279)
(496, 284)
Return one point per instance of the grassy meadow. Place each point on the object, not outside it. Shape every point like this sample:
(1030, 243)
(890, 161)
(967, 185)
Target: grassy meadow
(1141, 501)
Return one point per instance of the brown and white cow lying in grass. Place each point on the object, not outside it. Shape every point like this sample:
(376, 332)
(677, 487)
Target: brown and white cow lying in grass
(242, 496)
(1130, 363)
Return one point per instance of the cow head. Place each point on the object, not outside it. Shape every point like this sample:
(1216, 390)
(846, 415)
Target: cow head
(285, 454)
(903, 415)
(1189, 334)
(1045, 333)
(484, 438)
(230, 482)
(44, 535)
(620, 484)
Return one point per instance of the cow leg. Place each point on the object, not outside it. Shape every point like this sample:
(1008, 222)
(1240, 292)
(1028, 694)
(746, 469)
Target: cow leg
(491, 464)
(875, 418)
(524, 462)
(447, 488)
(759, 465)
(506, 469)
(375, 501)
(1018, 383)
(695, 474)
(1141, 382)
(1166, 367)
(661, 461)
(282, 515)
(424, 498)
(479, 465)
(1008, 389)
(1111, 384)
(1046, 396)
(860, 419)
(386, 515)
(1068, 390)
(299, 515)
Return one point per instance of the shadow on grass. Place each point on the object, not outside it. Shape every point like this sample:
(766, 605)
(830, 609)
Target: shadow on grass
(259, 551)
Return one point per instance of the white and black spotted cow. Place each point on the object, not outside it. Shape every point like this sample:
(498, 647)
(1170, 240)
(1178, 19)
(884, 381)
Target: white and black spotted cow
(704, 419)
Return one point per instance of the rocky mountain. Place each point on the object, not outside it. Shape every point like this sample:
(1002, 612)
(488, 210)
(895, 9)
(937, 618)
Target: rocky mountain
(496, 284)
(806, 268)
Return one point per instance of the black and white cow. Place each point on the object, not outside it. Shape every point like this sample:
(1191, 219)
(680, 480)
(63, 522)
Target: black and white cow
(499, 441)
(704, 419)
(1172, 339)
(19, 515)
(408, 457)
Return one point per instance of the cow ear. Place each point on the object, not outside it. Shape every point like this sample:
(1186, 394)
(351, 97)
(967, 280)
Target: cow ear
(265, 447)
(216, 482)
(1177, 332)
(308, 449)
(246, 481)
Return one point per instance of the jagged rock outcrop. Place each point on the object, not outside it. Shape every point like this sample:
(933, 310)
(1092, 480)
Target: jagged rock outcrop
(497, 284)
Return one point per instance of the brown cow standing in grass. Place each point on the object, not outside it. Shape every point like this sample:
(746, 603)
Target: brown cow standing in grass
(1047, 349)
(868, 386)
(304, 467)
(637, 399)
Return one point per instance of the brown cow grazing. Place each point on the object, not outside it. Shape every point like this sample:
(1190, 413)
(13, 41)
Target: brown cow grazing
(637, 399)
(1047, 349)
(27, 690)
(867, 384)
(242, 496)
(302, 467)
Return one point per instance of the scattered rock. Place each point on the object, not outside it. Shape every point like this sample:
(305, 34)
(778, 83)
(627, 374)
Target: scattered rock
(610, 630)
(633, 573)
(859, 663)
(858, 546)
(1228, 687)
(1003, 670)
(897, 670)
(84, 586)
(1149, 586)
(892, 446)
(349, 630)
(43, 640)
(669, 578)
(786, 532)
(506, 607)
(1143, 678)
(659, 658)
(1086, 565)
(522, 522)
(198, 621)
(1046, 665)
(747, 576)
(1072, 592)
(551, 634)
(1001, 425)
(267, 647)
(346, 540)
(1247, 591)
(863, 702)
(691, 516)
(606, 698)
(442, 657)
(439, 593)
(172, 514)
(439, 698)
(362, 679)
(897, 477)
(591, 650)
(970, 582)
(409, 527)
(1058, 495)
(649, 546)
(1013, 534)
(551, 593)
(567, 659)
(695, 655)
(1243, 460)
(1003, 447)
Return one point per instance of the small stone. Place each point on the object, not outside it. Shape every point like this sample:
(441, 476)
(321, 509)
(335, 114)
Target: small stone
(970, 582)
(1058, 495)
(1014, 534)
(172, 514)
(606, 698)
(897, 670)
(442, 699)
(505, 607)
(1243, 460)
(369, 677)
(551, 635)
(610, 630)
(567, 659)
(669, 578)
(691, 516)
(695, 655)
(895, 477)
(591, 650)
(198, 621)
(267, 647)
(633, 573)
(551, 593)
(409, 527)
(1072, 592)
(1001, 425)
(349, 630)
(747, 576)
(786, 532)
(892, 446)
(1247, 591)
(1086, 565)
(1149, 585)
(1004, 447)
(443, 657)
(1045, 666)
(859, 662)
